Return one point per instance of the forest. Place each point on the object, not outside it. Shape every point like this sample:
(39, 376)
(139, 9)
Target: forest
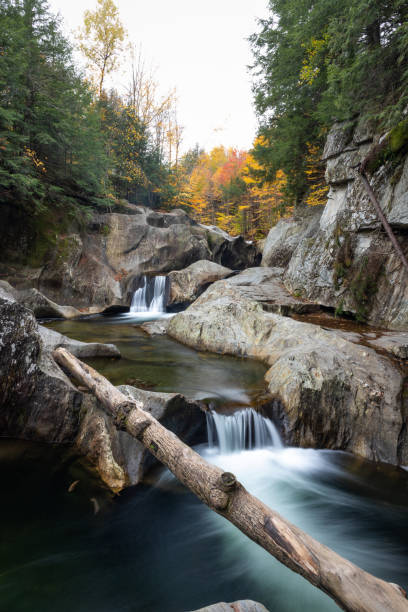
(204, 345)
(70, 143)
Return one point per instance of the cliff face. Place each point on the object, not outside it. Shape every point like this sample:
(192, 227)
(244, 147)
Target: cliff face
(339, 256)
(93, 266)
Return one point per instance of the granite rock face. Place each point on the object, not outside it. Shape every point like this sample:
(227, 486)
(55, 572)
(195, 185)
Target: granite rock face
(285, 236)
(91, 268)
(333, 393)
(343, 259)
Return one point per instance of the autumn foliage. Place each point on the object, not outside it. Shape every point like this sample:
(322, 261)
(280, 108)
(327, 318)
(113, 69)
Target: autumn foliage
(221, 188)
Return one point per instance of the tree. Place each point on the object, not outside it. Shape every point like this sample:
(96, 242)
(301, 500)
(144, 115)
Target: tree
(49, 131)
(102, 38)
(317, 61)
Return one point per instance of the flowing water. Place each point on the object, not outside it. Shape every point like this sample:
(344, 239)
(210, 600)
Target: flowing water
(155, 548)
(150, 296)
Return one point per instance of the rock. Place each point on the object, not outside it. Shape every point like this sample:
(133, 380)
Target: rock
(237, 254)
(284, 237)
(38, 402)
(237, 606)
(394, 343)
(155, 328)
(43, 307)
(7, 292)
(186, 285)
(264, 285)
(90, 268)
(83, 350)
(334, 394)
(346, 262)
(339, 138)
(183, 417)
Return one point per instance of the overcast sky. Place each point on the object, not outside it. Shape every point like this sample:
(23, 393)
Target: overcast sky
(201, 49)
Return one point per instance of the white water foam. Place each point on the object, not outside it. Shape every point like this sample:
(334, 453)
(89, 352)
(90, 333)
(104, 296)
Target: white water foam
(150, 297)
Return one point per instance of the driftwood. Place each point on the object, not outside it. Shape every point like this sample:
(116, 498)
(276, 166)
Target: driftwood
(352, 588)
(382, 218)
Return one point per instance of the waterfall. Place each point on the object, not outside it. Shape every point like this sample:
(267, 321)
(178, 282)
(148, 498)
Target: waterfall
(151, 296)
(244, 429)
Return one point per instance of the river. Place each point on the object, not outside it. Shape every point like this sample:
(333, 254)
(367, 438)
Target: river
(155, 548)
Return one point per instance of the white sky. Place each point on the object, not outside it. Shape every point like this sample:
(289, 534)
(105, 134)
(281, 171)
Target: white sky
(199, 47)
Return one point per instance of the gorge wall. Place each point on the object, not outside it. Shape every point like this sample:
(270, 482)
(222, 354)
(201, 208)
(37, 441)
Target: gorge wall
(92, 266)
(339, 255)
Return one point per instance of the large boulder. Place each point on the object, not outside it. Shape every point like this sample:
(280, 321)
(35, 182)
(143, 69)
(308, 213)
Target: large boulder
(237, 253)
(333, 393)
(186, 285)
(265, 286)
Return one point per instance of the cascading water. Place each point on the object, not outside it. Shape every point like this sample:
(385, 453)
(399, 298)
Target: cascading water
(151, 296)
(244, 429)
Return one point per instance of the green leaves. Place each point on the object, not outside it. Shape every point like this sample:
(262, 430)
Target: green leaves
(320, 61)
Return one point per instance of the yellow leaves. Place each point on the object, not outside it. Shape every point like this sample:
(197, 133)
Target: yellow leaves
(311, 67)
(318, 189)
(101, 39)
(32, 155)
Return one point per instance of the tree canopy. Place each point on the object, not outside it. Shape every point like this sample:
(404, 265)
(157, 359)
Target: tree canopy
(61, 141)
(318, 61)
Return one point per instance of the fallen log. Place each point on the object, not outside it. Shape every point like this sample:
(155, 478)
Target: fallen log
(349, 586)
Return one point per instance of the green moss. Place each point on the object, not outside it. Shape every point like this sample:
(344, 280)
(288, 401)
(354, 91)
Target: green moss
(398, 137)
(339, 309)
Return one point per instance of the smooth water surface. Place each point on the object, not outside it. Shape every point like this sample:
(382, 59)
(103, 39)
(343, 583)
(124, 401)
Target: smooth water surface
(163, 364)
(155, 548)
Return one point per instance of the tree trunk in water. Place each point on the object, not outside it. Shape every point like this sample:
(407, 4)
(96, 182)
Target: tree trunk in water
(352, 588)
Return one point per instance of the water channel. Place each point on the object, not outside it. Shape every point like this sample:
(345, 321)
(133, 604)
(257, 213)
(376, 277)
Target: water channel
(155, 548)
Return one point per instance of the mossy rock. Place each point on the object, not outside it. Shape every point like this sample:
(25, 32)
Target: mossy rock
(398, 138)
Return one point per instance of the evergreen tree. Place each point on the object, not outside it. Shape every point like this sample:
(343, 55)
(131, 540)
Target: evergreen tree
(51, 143)
(316, 61)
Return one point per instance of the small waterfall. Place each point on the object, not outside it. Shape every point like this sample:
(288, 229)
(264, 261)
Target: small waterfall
(244, 429)
(151, 296)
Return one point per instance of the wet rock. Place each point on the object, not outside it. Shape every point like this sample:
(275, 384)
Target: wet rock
(38, 402)
(186, 285)
(334, 393)
(155, 328)
(237, 606)
(83, 350)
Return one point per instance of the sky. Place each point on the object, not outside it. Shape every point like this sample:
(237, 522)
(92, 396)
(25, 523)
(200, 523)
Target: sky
(199, 48)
